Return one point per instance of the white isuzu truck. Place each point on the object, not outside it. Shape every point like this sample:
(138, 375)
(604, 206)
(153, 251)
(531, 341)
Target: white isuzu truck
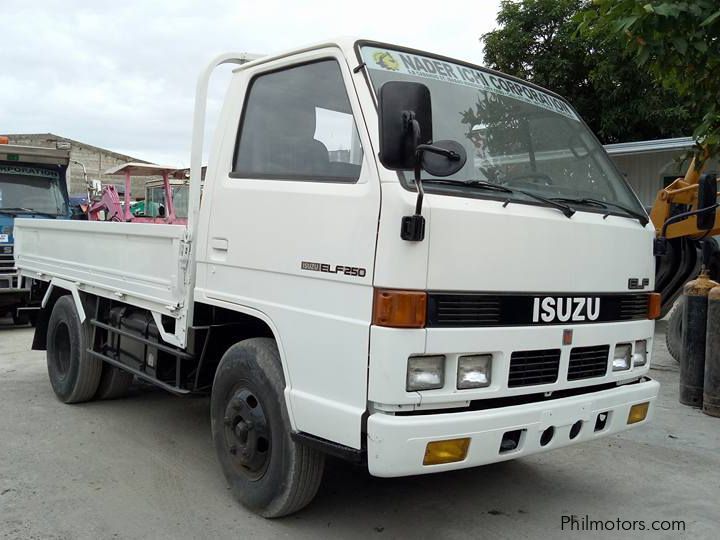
(402, 259)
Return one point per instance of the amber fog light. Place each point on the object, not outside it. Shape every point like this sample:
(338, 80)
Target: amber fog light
(449, 451)
(638, 412)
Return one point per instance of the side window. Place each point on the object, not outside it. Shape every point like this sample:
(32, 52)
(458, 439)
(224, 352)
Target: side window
(298, 125)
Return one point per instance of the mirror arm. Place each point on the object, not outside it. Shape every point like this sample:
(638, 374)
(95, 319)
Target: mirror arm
(412, 228)
(419, 150)
(450, 154)
(419, 185)
(684, 215)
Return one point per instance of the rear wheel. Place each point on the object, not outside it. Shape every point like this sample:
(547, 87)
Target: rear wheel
(673, 333)
(267, 471)
(74, 374)
(114, 383)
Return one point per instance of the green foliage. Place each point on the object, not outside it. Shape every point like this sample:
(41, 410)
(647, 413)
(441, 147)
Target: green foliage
(538, 40)
(678, 43)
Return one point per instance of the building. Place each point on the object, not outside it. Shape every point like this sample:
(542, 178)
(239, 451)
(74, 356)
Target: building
(651, 165)
(95, 160)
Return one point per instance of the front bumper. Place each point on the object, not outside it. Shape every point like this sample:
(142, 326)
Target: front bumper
(396, 444)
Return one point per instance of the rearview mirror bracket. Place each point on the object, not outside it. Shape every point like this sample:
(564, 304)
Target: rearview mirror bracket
(412, 228)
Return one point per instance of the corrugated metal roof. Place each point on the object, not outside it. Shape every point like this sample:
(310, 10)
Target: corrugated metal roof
(646, 147)
(51, 137)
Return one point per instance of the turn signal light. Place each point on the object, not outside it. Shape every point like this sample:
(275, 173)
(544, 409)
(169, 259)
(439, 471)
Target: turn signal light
(4, 139)
(654, 303)
(638, 412)
(449, 451)
(399, 309)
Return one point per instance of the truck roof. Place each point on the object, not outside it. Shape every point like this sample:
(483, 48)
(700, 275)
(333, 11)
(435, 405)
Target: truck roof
(34, 154)
(345, 42)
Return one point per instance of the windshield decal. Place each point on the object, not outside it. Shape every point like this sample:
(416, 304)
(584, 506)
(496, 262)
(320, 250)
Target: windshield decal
(432, 68)
(29, 171)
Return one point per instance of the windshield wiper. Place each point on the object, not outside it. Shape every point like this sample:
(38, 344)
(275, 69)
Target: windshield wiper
(589, 201)
(482, 184)
(19, 210)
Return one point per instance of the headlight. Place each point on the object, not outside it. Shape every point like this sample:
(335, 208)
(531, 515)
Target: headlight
(474, 371)
(621, 358)
(640, 356)
(425, 373)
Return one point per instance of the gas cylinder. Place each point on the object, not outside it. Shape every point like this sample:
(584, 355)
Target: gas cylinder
(692, 365)
(711, 386)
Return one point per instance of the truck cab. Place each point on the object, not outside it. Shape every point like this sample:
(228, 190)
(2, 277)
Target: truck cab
(154, 205)
(520, 292)
(32, 185)
(402, 259)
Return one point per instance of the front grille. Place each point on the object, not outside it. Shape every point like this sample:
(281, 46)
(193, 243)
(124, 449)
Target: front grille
(459, 309)
(633, 306)
(528, 368)
(588, 362)
(464, 310)
(7, 261)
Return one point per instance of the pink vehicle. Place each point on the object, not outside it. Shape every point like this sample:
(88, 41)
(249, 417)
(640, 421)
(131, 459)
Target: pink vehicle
(116, 211)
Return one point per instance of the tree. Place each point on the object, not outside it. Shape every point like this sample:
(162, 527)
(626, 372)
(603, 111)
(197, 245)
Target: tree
(538, 40)
(678, 44)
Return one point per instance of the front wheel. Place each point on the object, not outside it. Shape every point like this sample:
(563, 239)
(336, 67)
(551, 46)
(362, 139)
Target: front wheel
(267, 471)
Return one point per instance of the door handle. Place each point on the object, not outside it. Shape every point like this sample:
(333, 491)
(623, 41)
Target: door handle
(219, 244)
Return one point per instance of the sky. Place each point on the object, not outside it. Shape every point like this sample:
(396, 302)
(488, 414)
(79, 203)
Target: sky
(121, 74)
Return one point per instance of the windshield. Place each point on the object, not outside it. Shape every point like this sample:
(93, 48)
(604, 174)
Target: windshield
(515, 135)
(27, 188)
(156, 199)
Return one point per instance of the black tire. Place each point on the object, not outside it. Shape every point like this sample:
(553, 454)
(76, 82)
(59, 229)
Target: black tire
(268, 472)
(673, 332)
(74, 374)
(114, 383)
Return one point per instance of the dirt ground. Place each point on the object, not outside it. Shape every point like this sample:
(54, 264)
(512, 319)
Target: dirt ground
(144, 467)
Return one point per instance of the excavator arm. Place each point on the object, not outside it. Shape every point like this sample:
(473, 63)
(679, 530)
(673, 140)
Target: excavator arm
(681, 223)
(686, 192)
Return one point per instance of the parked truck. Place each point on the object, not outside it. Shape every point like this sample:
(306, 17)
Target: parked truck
(32, 185)
(401, 259)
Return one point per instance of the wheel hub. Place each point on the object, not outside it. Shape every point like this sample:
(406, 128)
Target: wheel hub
(247, 434)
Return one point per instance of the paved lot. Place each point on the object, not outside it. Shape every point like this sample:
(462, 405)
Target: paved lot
(144, 467)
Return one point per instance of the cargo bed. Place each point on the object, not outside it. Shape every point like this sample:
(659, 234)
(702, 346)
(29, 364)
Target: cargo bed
(138, 263)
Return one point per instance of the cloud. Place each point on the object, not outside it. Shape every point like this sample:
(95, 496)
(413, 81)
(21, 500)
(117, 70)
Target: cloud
(121, 75)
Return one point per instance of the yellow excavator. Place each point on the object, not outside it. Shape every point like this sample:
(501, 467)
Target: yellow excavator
(686, 219)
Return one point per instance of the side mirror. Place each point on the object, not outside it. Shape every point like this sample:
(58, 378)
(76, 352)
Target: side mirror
(399, 104)
(443, 158)
(707, 202)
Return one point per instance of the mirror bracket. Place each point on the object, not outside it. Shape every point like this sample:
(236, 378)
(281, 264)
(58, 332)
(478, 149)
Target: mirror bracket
(412, 228)
(660, 246)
